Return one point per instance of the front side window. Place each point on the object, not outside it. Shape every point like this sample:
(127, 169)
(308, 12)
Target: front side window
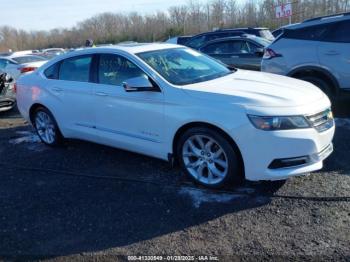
(75, 69)
(183, 66)
(115, 69)
(218, 48)
(340, 33)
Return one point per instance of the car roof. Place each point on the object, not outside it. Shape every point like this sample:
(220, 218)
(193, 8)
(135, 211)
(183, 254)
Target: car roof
(133, 48)
(242, 28)
(247, 37)
(320, 20)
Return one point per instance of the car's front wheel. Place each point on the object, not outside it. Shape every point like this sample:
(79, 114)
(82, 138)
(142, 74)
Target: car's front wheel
(46, 127)
(208, 158)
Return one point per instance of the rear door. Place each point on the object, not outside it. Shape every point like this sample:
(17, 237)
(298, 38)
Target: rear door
(72, 96)
(334, 52)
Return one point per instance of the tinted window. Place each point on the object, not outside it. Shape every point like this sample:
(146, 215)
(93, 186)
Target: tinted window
(252, 47)
(340, 33)
(196, 41)
(75, 69)
(229, 47)
(240, 47)
(114, 70)
(314, 33)
(52, 71)
(218, 48)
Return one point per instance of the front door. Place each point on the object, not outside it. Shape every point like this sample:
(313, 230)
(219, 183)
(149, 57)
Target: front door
(130, 120)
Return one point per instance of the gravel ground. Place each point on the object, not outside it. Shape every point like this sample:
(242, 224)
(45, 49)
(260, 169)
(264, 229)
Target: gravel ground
(89, 202)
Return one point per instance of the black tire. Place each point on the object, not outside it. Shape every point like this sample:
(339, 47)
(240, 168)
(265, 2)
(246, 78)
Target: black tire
(320, 83)
(58, 138)
(233, 175)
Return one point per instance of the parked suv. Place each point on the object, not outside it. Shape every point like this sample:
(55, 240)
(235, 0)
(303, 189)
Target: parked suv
(199, 40)
(317, 51)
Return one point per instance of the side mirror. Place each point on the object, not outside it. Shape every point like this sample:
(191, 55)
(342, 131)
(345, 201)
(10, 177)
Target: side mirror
(139, 84)
(260, 52)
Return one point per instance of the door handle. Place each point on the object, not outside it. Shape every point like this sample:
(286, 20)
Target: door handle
(101, 93)
(57, 89)
(332, 52)
(234, 56)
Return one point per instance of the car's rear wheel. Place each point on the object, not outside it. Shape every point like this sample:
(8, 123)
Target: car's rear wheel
(46, 127)
(208, 158)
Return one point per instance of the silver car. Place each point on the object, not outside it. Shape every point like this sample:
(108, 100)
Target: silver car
(7, 92)
(317, 51)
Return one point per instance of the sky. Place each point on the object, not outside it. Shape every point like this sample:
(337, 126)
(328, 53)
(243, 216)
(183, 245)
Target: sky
(49, 14)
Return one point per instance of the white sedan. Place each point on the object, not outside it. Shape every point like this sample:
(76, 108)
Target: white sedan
(18, 64)
(174, 103)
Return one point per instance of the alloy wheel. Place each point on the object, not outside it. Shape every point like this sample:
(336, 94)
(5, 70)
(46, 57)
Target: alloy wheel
(205, 159)
(45, 127)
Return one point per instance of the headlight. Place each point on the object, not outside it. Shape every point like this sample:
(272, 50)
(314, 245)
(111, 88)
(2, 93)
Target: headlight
(270, 123)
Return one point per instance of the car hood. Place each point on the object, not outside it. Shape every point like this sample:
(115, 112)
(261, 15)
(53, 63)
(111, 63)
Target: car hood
(256, 89)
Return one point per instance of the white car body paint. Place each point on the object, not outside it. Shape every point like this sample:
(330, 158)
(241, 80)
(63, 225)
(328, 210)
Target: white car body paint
(146, 122)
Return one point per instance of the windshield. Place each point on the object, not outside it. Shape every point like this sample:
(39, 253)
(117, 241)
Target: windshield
(267, 34)
(27, 59)
(183, 66)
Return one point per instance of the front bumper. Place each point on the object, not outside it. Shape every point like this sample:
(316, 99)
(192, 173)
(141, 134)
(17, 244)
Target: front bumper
(260, 148)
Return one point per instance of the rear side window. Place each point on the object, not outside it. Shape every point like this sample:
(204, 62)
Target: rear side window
(218, 48)
(229, 47)
(196, 41)
(340, 33)
(240, 47)
(52, 71)
(115, 69)
(313, 33)
(75, 69)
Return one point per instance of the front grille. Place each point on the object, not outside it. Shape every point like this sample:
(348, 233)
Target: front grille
(322, 121)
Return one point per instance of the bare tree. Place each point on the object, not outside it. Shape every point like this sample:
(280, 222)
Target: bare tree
(195, 17)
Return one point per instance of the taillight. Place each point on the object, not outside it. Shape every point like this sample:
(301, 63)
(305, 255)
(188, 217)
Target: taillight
(27, 69)
(269, 54)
